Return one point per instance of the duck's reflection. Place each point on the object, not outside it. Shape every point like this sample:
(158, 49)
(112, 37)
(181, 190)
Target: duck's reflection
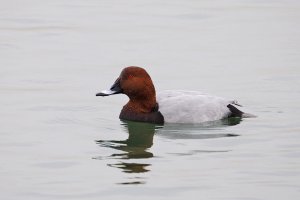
(207, 130)
(140, 139)
(131, 167)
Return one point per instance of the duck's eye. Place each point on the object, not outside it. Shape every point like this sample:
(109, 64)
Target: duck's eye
(130, 76)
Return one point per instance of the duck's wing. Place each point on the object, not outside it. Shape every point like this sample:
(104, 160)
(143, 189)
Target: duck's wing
(192, 107)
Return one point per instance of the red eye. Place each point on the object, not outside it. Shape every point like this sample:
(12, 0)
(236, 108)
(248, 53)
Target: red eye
(130, 76)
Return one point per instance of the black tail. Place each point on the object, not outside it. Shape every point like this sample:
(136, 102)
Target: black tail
(234, 111)
(237, 113)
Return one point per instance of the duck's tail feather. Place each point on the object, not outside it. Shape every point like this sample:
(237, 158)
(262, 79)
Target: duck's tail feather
(235, 112)
(235, 102)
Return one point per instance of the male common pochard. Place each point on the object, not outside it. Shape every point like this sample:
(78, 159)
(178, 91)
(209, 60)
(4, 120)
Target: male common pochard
(168, 106)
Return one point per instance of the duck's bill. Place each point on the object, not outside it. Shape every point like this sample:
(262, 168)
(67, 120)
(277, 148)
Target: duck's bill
(115, 89)
(106, 93)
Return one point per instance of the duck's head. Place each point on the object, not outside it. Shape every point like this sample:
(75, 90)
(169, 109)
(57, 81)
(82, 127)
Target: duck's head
(135, 82)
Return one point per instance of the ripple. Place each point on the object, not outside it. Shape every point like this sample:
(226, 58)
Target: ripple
(131, 167)
(208, 130)
(193, 152)
(63, 108)
(62, 120)
(56, 165)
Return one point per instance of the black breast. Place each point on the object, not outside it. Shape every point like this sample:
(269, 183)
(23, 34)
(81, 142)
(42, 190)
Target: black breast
(154, 117)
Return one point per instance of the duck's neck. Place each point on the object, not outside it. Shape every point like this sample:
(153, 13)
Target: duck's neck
(142, 105)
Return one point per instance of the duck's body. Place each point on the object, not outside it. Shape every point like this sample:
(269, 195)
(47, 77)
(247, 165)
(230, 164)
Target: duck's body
(169, 106)
(192, 107)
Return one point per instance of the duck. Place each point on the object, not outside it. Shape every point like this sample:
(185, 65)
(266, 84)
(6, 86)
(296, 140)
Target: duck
(170, 106)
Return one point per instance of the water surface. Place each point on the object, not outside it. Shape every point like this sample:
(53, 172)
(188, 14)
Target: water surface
(59, 141)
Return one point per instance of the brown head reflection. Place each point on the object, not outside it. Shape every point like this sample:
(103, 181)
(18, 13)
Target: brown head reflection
(136, 146)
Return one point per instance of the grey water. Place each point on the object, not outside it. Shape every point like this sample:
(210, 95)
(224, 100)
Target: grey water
(59, 141)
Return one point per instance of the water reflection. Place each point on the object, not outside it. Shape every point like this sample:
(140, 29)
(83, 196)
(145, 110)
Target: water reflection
(131, 167)
(140, 140)
(207, 130)
(136, 146)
